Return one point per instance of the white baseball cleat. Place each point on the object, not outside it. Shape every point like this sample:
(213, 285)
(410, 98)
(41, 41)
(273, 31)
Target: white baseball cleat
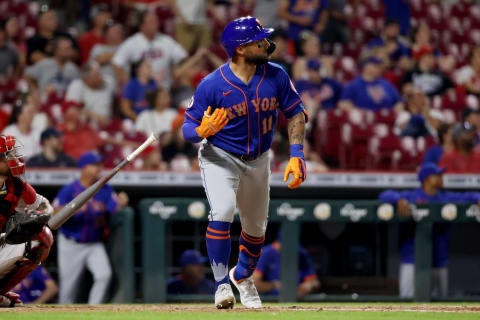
(224, 298)
(248, 292)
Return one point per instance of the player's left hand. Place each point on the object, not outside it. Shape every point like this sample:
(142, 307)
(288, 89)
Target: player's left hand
(296, 166)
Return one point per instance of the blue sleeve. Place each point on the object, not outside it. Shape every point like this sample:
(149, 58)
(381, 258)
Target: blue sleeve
(389, 196)
(129, 90)
(468, 197)
(65, 195)
(290, 101)
(189, 132)
(306, 265)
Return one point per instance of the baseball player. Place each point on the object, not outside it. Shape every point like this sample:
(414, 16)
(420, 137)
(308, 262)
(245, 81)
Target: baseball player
(234, 111)
(38, 287)
(267, 273)
(430, 177)
(18, 201)
(80, 238)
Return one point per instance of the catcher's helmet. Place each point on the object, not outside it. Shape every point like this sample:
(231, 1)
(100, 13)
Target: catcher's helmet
(242, 31)
(9, 149)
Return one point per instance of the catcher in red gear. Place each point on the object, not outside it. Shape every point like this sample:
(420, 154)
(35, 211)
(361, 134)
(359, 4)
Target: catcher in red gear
(19, 199)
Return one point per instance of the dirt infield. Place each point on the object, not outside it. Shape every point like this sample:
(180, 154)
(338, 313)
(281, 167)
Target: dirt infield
(270, 308)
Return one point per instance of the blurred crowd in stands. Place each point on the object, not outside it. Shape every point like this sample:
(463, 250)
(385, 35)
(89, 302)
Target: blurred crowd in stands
(388, 84)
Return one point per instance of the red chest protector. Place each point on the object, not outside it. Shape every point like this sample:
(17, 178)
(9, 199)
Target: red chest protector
(9, 198)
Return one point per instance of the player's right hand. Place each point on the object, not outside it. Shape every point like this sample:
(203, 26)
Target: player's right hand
(213, 123)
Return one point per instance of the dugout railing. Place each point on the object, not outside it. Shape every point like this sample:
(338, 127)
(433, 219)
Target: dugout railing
(120, 247)
(156, 213)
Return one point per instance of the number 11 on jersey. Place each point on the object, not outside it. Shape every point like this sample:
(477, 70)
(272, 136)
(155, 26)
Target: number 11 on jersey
(267, 124)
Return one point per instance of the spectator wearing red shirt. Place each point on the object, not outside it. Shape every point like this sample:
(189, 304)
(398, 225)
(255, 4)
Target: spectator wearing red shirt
(78, 137)
(463, 158)
(100, 17)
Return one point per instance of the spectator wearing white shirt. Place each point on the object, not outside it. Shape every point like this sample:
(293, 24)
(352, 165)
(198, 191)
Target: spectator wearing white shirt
(165, 54)
(20, 126)
(159, 119)
(95, 92)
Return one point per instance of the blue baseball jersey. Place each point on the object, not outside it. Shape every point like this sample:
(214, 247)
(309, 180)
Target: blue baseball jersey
(135, 91)
(441, 232)
(303, 8)
(33, 286)
(252, 108)
(326, 94)
(374, 95)
(90, 221)
(270, 262)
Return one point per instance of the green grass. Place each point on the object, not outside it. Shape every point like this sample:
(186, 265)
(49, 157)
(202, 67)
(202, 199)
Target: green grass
(290, 315)
(273, 312)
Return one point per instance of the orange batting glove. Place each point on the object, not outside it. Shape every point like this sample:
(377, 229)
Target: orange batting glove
(296, 166)
(211, 124)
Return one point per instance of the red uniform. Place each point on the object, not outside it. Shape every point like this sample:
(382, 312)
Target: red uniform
(17, 261)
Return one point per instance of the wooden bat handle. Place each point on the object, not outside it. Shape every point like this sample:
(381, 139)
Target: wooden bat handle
(153, 137)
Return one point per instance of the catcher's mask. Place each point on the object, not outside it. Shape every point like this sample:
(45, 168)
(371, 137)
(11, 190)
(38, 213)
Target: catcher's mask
(10, 150)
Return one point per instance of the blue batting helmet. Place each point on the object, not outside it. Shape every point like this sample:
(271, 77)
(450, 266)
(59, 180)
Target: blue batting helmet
(242, 31)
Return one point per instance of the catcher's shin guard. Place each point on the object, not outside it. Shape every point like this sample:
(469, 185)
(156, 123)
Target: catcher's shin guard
(37, 251)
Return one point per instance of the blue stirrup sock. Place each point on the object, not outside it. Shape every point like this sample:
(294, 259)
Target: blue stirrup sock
(250, 249)
(218, 248)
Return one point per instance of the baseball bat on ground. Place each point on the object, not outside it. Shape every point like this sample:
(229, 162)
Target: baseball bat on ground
(69, 210)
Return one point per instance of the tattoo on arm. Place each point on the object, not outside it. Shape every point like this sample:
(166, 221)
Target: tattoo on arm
(296, 129)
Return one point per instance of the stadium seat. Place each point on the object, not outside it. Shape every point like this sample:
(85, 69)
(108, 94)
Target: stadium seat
(354, 145)
(418, 9)
(407, 157)
(381, 151)
(385, 116)
(328, 136)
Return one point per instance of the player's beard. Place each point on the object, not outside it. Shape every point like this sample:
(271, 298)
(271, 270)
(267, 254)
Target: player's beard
(257, 60)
